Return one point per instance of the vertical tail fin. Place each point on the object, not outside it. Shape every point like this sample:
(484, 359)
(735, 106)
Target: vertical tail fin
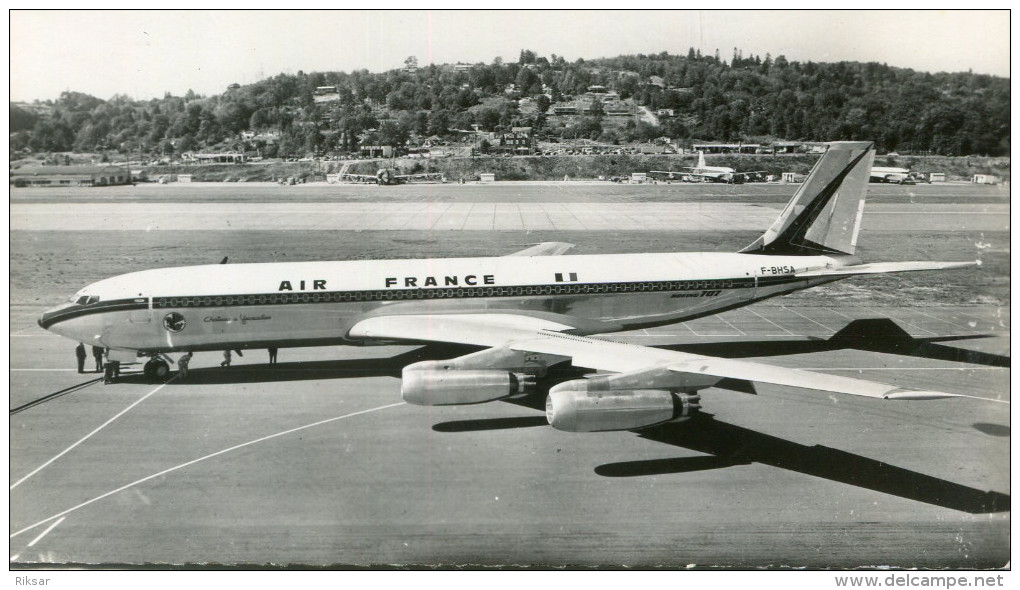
(701, 159)
(824, 215)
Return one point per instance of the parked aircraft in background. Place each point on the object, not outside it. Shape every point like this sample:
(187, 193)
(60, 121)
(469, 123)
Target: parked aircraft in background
(526, 312)
(705, 173)
(387, 177)
(893, 175)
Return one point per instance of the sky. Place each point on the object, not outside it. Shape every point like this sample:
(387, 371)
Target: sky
(145, 54)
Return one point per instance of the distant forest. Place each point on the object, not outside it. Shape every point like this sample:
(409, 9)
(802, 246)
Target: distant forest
(750, 99)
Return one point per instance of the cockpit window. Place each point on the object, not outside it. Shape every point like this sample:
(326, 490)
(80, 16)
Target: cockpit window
(87, 300)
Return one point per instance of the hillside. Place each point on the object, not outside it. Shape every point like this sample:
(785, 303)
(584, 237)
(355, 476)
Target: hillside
(617, 100)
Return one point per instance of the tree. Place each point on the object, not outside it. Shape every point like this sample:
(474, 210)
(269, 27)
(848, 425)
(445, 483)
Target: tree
(438, 122)
(542, 103)
(394, 134)
(487, 118)
(525, 80)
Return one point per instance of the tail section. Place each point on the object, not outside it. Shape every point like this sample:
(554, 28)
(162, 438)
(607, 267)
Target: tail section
(701, 160)
(824, 215)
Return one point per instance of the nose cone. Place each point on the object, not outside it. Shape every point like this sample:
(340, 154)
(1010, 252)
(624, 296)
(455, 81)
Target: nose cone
(66, 321)
(57, 314)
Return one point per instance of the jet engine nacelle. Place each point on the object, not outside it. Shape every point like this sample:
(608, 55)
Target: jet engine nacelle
(593, 411)
(447, 388)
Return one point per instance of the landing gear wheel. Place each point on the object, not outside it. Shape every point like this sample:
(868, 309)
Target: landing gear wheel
(156, 370)
(161, 370)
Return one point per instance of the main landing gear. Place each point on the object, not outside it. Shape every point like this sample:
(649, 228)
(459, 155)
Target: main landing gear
(157, 368)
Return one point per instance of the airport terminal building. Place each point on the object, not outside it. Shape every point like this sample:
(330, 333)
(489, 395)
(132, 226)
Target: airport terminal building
(70, 176)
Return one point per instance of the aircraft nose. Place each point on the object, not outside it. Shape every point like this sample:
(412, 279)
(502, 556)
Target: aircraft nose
(52, 319)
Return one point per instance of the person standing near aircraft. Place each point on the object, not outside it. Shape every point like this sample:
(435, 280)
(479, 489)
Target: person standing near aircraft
(79, 352)
(182, 364)
(272, 356)
(226, 358)
(97, 353)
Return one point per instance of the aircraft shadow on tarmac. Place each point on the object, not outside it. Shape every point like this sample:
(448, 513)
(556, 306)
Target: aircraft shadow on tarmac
(311, 370)
(723, 445)
(872, 335)
(875, 335)
(727, 445)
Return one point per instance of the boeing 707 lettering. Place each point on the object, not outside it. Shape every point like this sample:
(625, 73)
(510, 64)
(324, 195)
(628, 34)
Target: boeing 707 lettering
(526, 311)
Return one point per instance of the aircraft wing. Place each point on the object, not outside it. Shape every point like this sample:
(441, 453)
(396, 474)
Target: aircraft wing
(544, 249)
(706, 177)
(544, 336)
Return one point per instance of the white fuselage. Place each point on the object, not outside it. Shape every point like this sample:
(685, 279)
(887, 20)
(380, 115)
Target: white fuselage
(216, 307)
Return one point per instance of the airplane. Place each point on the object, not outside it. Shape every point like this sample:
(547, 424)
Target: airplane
(705, 173)
(386, 177)
(891, 175)
(526, 312)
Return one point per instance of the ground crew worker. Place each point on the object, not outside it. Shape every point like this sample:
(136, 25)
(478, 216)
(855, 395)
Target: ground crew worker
(79, 352)
(182, 364)
(226, 359)
(97, 353)
(272, 356)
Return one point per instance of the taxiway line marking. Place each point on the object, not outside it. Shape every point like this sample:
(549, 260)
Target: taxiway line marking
(941, 213)
(89, 435)
(807, 318)
(901, 368)
(769, 321)
(739, 331)
(900, 319)
(47, 531)
(987, 399)
(199, 460)
(837, 312)
(63, 370)
(953, 324)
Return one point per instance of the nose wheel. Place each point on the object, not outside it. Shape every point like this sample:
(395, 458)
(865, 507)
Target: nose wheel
(156, 370)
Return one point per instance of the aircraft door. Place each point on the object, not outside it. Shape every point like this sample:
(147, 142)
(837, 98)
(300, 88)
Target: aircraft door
(141, 316)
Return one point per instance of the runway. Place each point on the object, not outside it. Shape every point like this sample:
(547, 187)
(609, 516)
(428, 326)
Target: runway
(473, 216)
(316, 461)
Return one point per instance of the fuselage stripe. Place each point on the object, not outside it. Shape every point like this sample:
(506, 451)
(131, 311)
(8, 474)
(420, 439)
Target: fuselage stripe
(311, 297)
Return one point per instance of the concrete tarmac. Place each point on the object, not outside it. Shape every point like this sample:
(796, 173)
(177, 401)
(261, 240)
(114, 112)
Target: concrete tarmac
(317, 461)
(468, 216)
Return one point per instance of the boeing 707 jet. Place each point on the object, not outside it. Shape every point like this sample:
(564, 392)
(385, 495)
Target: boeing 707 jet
(526, 311)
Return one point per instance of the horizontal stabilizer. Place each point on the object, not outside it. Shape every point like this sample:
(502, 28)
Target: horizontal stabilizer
(877, 268)
(544, 249)
(908, 394)
(487, 329)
